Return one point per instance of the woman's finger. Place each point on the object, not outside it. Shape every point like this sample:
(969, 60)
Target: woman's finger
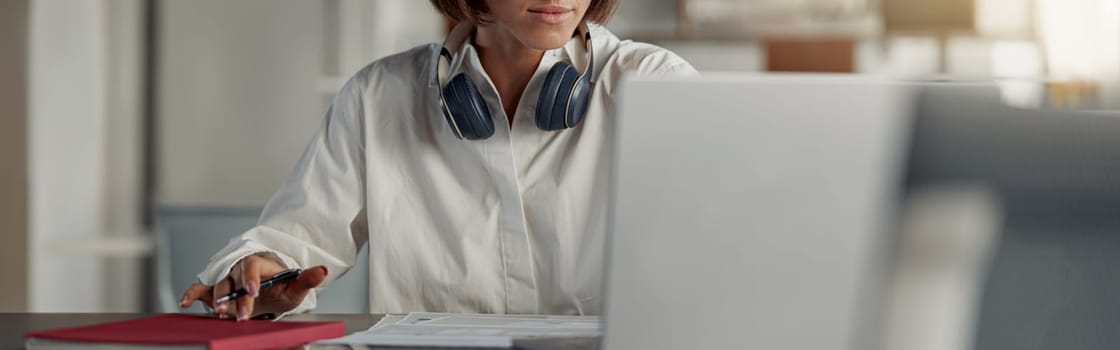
(220, 290)
(295, 291)
(250, 281)
(196, 291)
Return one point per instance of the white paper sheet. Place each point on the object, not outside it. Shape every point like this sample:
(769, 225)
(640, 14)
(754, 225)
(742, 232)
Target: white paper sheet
(469, 330)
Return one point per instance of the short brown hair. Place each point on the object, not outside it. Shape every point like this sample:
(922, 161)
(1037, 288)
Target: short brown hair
(600, 11)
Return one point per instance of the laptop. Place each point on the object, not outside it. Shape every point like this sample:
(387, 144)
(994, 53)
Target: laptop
(752, 212)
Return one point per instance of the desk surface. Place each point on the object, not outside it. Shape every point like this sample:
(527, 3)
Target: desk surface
(14, 325)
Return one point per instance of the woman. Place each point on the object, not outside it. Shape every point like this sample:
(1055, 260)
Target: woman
(476, 172)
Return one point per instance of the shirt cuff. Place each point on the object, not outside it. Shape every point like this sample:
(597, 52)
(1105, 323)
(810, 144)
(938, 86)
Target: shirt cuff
(224, 260)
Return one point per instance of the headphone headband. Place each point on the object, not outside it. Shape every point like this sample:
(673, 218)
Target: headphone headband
(440, 75)
(588, 71)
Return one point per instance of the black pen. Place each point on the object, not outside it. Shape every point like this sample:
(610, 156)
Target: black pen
(277, 278)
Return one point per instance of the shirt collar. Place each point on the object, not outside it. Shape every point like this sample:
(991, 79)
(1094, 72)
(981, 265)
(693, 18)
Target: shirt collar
(465, 55)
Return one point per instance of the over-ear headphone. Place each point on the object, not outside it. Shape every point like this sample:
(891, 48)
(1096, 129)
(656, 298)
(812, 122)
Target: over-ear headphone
(562, 103)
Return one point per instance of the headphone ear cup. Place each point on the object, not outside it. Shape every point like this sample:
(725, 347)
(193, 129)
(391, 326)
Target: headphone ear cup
(553, 102)
(468, 110)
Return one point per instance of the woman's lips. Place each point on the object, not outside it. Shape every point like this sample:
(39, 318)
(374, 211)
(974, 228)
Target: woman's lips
(551, 14)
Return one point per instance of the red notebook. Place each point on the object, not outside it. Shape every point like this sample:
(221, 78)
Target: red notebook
(180, 329)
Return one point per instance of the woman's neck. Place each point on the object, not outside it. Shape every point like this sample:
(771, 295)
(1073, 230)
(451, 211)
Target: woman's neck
(507, 62)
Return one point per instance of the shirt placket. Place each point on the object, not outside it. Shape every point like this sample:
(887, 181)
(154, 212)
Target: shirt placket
(517, 256)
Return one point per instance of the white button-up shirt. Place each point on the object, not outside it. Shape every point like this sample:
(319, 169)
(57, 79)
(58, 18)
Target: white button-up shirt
(511, 224)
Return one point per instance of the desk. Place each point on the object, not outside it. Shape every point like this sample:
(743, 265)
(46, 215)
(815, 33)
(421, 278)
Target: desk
(14, 325)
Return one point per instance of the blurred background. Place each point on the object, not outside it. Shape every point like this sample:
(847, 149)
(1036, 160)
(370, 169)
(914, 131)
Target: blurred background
(139, 135)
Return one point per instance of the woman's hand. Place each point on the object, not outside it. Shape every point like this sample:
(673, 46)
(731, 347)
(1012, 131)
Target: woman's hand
(248, 274)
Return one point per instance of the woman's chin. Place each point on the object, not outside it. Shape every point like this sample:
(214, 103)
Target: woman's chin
(546, 41)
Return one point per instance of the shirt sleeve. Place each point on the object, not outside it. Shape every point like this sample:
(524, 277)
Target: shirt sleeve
(656, 61)
(679, 69)
(317, 217)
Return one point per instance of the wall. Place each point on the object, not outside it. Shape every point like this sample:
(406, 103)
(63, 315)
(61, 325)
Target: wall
(645, 18)
(236, 97)
(66, 157)
(13, 154)
(123, 51)
(243, 85)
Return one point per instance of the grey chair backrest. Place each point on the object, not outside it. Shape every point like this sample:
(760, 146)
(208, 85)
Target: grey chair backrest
(188, 237)
(1054, 282)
